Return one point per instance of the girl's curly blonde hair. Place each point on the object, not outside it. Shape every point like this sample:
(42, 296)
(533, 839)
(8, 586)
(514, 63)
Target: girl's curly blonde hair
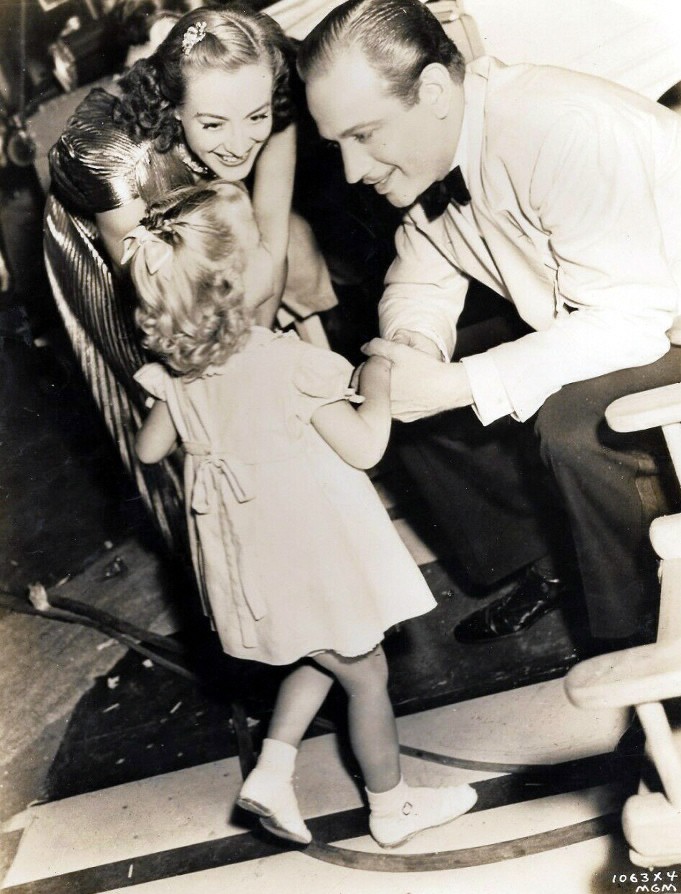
(191, 305)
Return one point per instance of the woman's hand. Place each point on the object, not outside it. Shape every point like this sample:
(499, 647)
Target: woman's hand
(114, 225)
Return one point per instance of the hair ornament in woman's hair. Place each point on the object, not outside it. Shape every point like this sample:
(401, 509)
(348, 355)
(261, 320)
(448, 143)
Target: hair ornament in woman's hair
(154, 250)
(193, 35)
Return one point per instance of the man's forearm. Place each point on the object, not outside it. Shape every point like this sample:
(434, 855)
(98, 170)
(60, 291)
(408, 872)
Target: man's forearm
(452, 390)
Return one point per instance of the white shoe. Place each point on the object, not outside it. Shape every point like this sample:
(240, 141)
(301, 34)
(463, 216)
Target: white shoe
(423, 808)
(274, 801)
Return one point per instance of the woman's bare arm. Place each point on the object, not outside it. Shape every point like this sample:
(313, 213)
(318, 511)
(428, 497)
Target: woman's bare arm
(272, 197)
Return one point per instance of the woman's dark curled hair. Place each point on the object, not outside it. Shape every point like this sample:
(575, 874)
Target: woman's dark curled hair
(235, 36)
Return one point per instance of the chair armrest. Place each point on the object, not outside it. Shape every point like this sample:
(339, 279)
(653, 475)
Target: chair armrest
(665, 536)
(631, 677)
(647, 409)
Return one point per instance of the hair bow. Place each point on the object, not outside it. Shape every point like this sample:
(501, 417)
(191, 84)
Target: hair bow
(155, 251)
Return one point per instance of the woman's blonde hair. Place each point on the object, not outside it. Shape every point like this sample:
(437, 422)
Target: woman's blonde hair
(187, 269)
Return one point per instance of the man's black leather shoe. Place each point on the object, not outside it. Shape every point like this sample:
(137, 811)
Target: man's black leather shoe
(531, 598)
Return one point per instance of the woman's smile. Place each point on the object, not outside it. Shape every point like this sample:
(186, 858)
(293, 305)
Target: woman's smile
(229, 159)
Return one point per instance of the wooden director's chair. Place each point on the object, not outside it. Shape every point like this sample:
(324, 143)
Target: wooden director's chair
(646, 676)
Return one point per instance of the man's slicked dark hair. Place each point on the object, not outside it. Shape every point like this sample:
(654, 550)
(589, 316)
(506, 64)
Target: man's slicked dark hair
(399, 38)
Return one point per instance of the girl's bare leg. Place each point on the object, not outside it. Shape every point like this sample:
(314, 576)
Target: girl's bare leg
(268, 791)
(299, 699)
(371, 720)
(398, 811)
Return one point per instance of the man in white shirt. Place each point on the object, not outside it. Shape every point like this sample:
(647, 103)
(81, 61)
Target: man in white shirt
(562, 194)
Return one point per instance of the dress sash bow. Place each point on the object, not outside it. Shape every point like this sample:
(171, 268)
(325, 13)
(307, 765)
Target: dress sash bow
(219, 479)
(209, 466)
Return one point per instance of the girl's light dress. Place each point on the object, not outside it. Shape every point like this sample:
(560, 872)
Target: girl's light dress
(292, 548)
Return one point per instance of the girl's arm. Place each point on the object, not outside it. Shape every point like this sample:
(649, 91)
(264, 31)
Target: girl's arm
(360, 436)
(115, 224)
(157, 437)
(272, 197)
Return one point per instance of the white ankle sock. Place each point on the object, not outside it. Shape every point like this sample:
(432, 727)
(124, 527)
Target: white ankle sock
(390, 802)
(278, 758)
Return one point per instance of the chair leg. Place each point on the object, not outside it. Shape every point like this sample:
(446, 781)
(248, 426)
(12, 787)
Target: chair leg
(662, 749)
(651, 821)
(652, 828)
(669, 625)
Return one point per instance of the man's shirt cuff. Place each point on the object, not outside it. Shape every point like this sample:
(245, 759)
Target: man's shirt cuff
(490, 400)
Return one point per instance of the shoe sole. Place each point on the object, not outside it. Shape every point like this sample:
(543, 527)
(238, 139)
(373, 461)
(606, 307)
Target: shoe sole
(254, 807)
(267, 820)
(411, 835)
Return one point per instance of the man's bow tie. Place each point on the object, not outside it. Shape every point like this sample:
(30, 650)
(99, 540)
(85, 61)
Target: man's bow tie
(452, 188)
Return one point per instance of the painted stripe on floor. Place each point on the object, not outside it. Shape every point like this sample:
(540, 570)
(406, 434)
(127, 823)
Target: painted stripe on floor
(192, 806)
(184, 808)
(467, 857)
(501, 792)
(102, 879)
(570, 870)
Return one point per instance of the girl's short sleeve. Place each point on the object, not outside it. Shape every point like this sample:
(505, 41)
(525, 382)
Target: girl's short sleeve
(321, 377)
(154, 379)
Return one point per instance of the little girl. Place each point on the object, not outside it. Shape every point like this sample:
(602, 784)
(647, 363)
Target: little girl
(297, 561)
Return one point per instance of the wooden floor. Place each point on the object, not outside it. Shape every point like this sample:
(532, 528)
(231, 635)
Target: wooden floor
(534, 827)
